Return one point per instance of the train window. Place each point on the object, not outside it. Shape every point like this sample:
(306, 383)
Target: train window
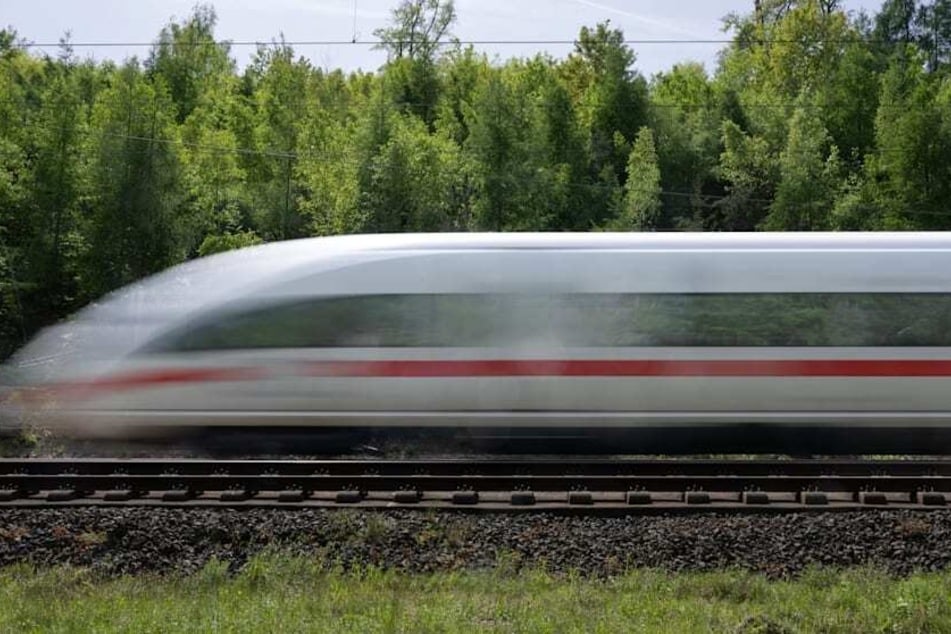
(578, 320)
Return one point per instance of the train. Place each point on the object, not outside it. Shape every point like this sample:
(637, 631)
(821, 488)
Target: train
(797, 343)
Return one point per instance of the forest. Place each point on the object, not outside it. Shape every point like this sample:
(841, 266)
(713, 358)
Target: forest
(814, 118)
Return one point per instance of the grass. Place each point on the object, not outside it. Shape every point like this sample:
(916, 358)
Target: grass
(282, 594)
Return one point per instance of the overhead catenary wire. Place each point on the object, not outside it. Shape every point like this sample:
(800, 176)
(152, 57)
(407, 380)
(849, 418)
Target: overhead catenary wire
(455, 42)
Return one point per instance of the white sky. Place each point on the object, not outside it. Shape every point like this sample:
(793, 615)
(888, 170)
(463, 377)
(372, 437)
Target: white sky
(262, 20)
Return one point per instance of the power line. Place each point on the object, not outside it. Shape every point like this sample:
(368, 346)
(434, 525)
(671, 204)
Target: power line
(513, 42)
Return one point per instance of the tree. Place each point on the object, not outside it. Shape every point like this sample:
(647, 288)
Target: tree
(747, 167)
(227, 242)
(809, 177)
(494, 144)
(514, 188)
(281, 97)
(330, 176)
(52, 240)
(774, 60)
(912, 160)
(686, 111)
(214, 184)
(412, 181)
(846, 102)
(413, 87)
(134, 183)
(418, 28)
(189, 60)
(904, 26)
(642, 203)
(558, 150)
(612, 97)
(15, 115)
(460, 74)
(214, 172)
(895, 21)
(934, 28)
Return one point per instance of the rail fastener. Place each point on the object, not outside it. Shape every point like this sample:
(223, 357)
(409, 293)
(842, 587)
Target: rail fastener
(350, 496)
(64, 495)
(407, 497)
(292, 497)
(465, 497)
(696, 497)
(930, 498)
(522, 498)
(872, 498)
(638, 498)
(236, 495)
(580, 498)
(8, 495)
(121, 495)
(755, 497)
(813, 498)
(179, 495)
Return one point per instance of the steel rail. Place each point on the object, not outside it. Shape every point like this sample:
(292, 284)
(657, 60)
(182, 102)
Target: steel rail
(530, 484)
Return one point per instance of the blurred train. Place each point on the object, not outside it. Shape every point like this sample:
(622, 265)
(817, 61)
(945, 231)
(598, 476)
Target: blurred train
(634, 342)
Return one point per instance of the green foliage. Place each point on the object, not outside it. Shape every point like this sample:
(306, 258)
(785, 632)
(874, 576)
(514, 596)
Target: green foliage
(813, 119)
(189, 60)
(220, 243)
(642, 192)
(412, 181)
(497, 144)
(809, 174)
(747, 166)
(280, 101)
(417, 29)
(612, 97)
(134, 182)
(685, 114)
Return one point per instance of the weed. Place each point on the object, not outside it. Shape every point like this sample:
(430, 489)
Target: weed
(90, 539)
(13, 533)
(376, 528)
(914, 527)
(761, 624)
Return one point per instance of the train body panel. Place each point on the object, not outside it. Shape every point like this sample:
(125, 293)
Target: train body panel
(544, 333)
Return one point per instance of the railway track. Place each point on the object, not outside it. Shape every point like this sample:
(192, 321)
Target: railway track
(584, 486)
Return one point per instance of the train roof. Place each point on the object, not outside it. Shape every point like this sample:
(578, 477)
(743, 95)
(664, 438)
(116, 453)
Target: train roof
(618, 240)
(203, 281)
(132, 315)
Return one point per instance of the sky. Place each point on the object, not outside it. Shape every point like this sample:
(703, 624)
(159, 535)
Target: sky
(42, 21)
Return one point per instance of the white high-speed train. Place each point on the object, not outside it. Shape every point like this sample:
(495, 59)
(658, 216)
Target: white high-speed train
(637, 342)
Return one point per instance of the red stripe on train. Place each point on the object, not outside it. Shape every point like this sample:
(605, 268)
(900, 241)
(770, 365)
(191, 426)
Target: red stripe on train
(133, 380)
(737, 368)
(632, 368)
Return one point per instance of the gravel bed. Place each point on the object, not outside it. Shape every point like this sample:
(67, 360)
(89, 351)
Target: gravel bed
(135, 540)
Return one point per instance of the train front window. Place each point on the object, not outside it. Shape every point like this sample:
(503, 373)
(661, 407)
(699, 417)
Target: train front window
(578, 320)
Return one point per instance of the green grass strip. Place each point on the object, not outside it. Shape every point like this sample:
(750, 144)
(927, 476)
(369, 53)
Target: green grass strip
(274, 593)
